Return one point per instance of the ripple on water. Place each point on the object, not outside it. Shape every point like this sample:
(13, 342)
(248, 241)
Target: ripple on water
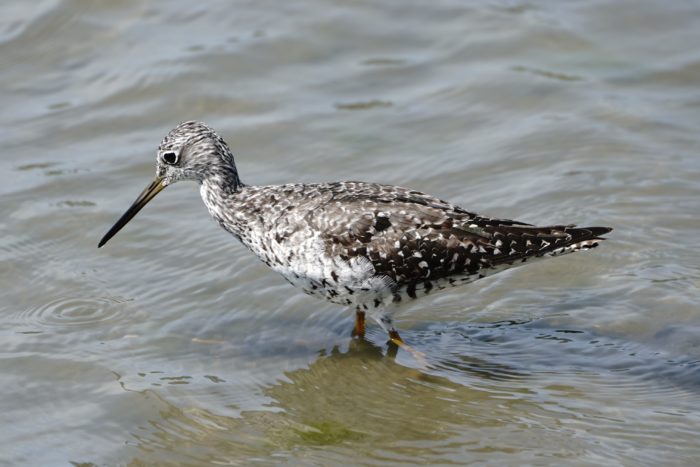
(73, 312)
(516, 354)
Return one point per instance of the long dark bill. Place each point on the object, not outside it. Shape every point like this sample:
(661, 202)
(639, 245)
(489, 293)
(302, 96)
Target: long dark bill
(146, 195)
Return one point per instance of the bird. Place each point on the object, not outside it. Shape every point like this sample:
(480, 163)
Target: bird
(366, 246)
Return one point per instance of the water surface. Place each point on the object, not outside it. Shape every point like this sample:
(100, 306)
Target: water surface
(174, 346)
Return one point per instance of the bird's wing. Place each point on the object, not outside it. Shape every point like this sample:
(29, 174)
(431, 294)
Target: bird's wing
(410, 236)
(404, 233)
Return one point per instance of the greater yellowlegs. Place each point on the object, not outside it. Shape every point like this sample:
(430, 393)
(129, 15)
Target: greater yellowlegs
(357, 244)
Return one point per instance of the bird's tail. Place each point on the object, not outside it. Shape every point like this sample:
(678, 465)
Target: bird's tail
(582, 238)
(514, 243)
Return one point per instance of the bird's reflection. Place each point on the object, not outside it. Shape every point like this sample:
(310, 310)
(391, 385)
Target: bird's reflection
(439, 354)
(361, 395)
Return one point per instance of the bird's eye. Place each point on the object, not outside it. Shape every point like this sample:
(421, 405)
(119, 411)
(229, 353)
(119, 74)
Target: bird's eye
(170, 158)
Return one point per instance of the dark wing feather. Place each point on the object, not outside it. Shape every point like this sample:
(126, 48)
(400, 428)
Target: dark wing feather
(407, 235)
(513, 243)
(415, 238)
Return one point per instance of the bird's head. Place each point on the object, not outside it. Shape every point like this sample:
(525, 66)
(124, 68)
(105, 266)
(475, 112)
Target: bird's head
(193, 151)
(190, 151)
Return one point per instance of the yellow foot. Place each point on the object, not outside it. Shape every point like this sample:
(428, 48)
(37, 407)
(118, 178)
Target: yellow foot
(417, 355)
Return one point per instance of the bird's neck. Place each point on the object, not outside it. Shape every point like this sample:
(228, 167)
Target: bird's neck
(222, 178)
(220, 192)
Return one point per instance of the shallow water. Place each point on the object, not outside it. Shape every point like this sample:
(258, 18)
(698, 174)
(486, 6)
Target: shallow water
(173, 345)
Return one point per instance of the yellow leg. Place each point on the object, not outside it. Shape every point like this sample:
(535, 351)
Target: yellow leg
(359, 330)
(419, 356)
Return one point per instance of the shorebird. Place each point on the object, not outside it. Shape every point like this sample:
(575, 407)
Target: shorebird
(363, 245)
